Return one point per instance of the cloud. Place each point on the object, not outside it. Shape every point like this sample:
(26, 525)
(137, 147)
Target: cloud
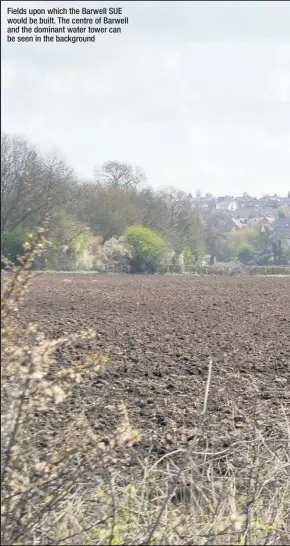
(197, 93)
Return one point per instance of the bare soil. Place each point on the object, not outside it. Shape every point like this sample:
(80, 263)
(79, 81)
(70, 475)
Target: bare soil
(159, 333)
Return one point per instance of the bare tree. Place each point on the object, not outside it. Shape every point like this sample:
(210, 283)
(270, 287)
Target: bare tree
(217, 242)
(20, 170)
(183, 226)
(120, 175)
(31, 186)
(153, 210)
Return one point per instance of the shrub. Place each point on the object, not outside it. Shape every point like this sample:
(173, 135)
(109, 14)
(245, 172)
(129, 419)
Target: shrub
(39, 471)
(262, 259)
(268, 270)
(116, 255)
(245, 236)
(231, 268)
(245, 253)
(150, 249)
(71, 245)
(188, 256)
(12, 243)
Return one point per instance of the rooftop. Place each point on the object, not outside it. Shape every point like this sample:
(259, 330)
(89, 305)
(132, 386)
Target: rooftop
(283, 223)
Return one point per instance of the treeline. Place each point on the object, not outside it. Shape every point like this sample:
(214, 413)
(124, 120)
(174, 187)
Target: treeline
(34, 187)
(89, 214)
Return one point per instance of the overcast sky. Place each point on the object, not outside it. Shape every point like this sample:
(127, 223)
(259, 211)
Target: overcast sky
(196, 93)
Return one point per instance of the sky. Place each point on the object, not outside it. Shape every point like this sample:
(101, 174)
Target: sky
(195, 93)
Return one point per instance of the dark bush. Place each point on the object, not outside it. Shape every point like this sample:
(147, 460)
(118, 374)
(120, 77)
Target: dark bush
(12, 244)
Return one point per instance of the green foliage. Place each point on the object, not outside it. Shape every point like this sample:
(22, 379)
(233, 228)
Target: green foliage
(245, 253)
(80, 244)
(13, 243)
(150, 249)
(188, 256)
(245, 235)
(70, 243)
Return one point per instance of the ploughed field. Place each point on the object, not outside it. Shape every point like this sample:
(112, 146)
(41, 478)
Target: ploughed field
(158, 333)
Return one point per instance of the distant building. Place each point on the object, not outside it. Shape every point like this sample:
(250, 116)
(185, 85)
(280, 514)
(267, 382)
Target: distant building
(260, 224)
(224, 224)
(270, 201)
(282, 226)
(247, 202)
(269, 211)
(240, 223)
(226, 204)
(285, 201)
(204, 203)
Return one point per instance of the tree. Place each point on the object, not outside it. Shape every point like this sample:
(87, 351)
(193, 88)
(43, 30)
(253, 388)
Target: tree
(31, 186)
(114, 174)
(108, 211)
(70, 242)
(281, 258)
(217, 241)
(260, 258)
(13, 243)
(20, 169)
(213, 242)
(287, 254)
(245, 253)
(182, 225)
(275, 251)
(265, 241)
(152, 210)
(244, 236)
(150, 249)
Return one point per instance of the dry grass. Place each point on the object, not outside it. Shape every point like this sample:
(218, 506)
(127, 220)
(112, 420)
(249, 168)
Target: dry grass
(69, 487)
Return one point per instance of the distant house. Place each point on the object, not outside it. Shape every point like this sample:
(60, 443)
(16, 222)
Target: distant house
(202, 202)
(226, 225)
(282, 226)
(269, 211)
(239, 223)
(246, 213)
(226, 204)
(270, 201)
(262, 224)
(194, 201)
(247, 202)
